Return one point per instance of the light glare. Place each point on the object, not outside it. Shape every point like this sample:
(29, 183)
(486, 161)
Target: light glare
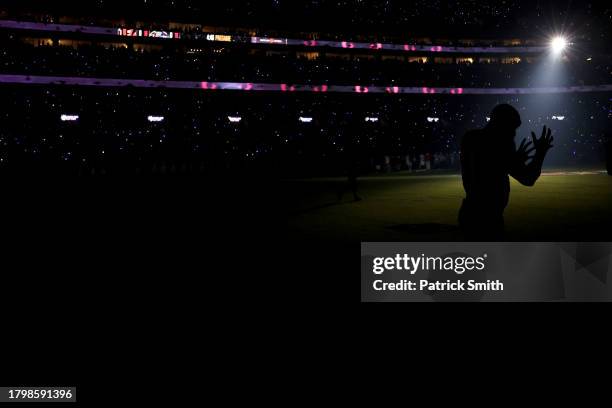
(558, 44)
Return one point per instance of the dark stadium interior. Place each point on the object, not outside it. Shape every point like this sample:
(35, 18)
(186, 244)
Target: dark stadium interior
(198, 140)
(262, 141)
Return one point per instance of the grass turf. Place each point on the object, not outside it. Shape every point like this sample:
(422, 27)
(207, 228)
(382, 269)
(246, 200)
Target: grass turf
(563, 206)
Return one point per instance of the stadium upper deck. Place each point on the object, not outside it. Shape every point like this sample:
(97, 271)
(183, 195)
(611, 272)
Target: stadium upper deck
(170, 49)
(177, 32)
(377, 20)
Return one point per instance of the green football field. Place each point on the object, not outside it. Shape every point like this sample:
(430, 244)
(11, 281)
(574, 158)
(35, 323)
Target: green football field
(563, 206)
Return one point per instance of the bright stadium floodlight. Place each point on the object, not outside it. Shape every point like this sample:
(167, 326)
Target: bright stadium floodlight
(154, 119)
(305, 119)
(369, 119)
(234, 119)
(433, 119)
(69, 118)
(558, 118)
(558, 45)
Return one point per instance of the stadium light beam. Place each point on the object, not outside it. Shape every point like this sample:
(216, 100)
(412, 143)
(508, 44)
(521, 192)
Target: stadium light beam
(305, 119)
(154, 119)
(234, 119)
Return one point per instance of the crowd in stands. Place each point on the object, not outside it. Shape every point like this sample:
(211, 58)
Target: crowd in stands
(202, 132)
(112, 134)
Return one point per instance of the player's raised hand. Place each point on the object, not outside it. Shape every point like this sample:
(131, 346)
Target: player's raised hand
(524, 151)
(544, 143)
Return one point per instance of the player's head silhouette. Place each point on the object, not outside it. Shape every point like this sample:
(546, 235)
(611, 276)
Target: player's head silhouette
(505, 120)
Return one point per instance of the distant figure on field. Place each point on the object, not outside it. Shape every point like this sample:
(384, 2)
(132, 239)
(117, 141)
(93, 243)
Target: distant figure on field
(488, 157)
(428, 161)
(351, 167)
(408, 163)
(609, 153)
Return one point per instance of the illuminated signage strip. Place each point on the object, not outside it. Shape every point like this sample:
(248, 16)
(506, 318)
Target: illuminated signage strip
(274, 41)
(135, 32)
(219, 37)
(25, 25)
(288, 88)
(396, 47)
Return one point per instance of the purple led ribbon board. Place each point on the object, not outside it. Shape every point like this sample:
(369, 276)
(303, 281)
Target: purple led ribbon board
(288, 88)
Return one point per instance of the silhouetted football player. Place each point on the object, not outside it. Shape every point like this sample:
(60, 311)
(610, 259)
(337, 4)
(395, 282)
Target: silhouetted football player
(488, 157)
